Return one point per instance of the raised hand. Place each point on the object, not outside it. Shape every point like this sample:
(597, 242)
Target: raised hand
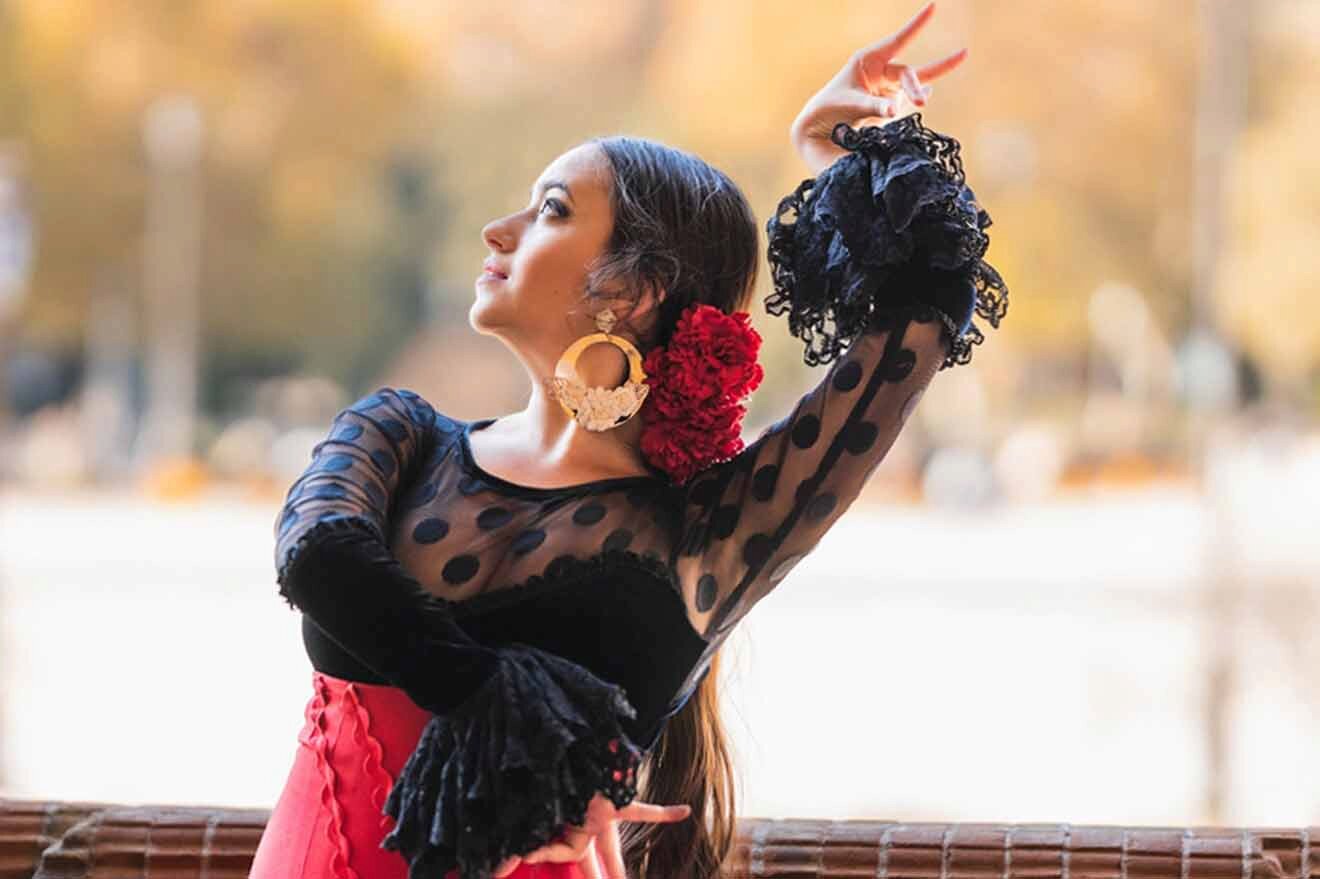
(599, 832)
(872, 86)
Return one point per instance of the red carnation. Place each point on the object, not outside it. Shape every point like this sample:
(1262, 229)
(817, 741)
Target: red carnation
(693, 411)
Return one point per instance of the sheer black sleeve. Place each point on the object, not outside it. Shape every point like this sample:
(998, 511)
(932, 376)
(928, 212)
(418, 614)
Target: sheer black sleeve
(878, 263)
(522, 739)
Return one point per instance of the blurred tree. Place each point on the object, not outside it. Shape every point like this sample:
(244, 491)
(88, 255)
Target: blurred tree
(1076, 136)
(356, 149)
(1266, 293)
(303, 106)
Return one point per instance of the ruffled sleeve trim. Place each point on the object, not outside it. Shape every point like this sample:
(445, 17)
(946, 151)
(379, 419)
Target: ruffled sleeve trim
(505, 771)
(890, 227)
(338, 527)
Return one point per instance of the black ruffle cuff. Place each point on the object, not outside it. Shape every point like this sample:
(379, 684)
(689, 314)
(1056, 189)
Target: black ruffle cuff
(504, 772)
(891, 226)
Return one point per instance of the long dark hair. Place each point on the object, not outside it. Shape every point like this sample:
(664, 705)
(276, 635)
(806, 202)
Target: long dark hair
(682, 226)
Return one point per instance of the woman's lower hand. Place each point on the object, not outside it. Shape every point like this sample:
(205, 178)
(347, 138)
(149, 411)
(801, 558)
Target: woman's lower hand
(599, 832)
(871, 86)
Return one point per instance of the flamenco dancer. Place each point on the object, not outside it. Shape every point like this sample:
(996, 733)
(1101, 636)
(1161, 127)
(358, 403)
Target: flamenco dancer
(514, 622)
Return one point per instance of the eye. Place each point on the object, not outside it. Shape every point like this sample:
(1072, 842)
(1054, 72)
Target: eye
(560, 209)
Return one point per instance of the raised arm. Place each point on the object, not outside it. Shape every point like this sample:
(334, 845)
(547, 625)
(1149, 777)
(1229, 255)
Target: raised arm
(878, 263)
(518, 732)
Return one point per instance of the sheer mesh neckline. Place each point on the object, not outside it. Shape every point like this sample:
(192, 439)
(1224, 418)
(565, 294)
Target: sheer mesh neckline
(470, 464)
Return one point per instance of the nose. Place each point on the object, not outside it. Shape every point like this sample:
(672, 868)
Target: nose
(499, 235)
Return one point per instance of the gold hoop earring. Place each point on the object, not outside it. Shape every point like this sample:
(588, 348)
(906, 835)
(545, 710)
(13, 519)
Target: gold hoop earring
(599, 408)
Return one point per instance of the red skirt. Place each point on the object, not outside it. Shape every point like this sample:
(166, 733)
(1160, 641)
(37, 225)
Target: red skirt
(328, 823)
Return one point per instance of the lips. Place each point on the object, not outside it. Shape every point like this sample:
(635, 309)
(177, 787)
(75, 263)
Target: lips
(491, 269)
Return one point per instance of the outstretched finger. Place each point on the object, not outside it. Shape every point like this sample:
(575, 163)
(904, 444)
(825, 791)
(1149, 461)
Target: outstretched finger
(905, 34)
(873, 61)
(943, 66)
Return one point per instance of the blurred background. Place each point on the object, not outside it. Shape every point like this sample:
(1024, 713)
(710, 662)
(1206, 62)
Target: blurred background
(1083, 585)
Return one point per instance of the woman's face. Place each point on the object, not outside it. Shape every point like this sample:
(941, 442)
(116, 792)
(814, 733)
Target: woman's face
(539, 256)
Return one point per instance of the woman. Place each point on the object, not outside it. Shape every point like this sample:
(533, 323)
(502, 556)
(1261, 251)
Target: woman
(513, 621)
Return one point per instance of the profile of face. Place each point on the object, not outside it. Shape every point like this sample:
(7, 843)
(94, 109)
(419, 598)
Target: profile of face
(536, 272)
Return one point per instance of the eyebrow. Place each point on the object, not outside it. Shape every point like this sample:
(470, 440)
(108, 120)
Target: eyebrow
(554, 184)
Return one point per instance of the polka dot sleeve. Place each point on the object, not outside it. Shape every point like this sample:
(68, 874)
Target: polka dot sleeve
(333, 563)
(752, 519)
(522, 739)
(878, 264)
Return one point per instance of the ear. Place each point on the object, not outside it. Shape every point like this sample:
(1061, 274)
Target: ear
(647, 306)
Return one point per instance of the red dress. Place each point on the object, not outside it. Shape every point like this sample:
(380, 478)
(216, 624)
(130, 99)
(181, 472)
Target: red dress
(328, 822)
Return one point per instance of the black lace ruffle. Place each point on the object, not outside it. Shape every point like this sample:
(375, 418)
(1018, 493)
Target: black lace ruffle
(890, 226)
(501, 774)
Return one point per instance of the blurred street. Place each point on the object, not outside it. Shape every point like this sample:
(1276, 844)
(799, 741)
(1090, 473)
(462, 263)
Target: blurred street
(1043, 662)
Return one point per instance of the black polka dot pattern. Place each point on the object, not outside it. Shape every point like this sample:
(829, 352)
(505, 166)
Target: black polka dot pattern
(803, 491)
(618, 539)
(847, 376)
(859, 436)
(733, 524)
(460, 569)
(336, 463)
(805, 431)
(347, 433)
(493, 517)
(820, 506)
(707, 589)
(394, 429)
(900, 367)
(757, 549)
(430, 530)
(589, 514)
(763, 482)
(384, 462)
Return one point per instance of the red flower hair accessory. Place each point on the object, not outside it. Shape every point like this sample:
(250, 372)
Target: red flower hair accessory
(693, 412)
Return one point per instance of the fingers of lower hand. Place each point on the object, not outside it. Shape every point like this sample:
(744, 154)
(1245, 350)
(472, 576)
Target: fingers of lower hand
(650, 812)
(611, 851)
